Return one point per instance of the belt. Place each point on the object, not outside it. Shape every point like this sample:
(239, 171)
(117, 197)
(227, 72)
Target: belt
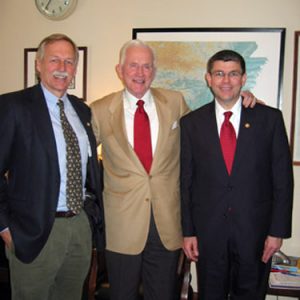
(64, 214)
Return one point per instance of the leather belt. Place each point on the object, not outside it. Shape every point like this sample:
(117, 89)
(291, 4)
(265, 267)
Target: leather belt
(64, 214)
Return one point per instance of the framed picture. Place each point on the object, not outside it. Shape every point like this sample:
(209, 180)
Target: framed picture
(295, 124)
(78, 84)
(182, 54)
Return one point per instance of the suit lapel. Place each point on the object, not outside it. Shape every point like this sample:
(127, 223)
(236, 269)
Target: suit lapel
(84, 118)
(41, 117)
(244, 137)
(117, 122)
(165, 125)
(213, 140)
(93, 180)
(243, 141)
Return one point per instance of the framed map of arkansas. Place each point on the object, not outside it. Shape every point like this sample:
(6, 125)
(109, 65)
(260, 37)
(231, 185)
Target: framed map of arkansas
(182, 54)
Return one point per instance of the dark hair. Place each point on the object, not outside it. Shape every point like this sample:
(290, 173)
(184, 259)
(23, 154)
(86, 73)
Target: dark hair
(226, 55)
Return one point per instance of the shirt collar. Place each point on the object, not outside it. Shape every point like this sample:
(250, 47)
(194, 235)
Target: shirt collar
(236, 109)
(132, 100)
(51, 99)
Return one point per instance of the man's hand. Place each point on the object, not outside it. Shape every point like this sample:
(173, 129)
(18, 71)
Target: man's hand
(272, 244)
(190, 248)
(6, 236)
(249, 100)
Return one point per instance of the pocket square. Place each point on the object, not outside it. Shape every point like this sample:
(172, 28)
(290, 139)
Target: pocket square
(174, 125)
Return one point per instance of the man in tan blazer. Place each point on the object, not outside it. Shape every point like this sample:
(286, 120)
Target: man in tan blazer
(142, 208)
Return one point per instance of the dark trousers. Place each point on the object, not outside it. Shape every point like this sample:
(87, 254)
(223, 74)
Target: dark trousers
(155, 268)
(232, 276)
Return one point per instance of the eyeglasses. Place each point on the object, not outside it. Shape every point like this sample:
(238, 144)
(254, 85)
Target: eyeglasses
(222, 75)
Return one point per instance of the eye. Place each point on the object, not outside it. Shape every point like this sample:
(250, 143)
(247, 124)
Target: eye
(133, 66)
(218, 74)
(234, 74)
(54, 60)
(148, 67)
(69, 62)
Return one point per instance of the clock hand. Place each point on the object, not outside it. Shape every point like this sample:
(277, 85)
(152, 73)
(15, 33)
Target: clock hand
(46, 7)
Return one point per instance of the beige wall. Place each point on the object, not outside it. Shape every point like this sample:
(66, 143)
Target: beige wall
(103, 26)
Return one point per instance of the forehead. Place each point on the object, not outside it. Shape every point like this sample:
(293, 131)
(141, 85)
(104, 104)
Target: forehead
(60, 47)
(139, 54)
(226, 65)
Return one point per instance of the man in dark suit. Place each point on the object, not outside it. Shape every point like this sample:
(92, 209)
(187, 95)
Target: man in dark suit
(236, 186)
(47, 233)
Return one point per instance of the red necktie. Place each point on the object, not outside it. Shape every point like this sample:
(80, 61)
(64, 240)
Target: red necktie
(228, 141)
(142, 136)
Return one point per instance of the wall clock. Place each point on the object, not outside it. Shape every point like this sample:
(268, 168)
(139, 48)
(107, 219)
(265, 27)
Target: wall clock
(56, 9)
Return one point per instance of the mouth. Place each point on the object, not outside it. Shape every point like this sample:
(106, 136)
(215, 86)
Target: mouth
(225, 88)
(139, 81)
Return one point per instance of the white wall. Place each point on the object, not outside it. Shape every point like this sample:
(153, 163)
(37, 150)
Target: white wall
(103, 26)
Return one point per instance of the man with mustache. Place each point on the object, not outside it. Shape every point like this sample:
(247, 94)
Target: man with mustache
(49, 172)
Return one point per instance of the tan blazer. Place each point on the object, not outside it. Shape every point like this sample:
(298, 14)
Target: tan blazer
(129, 192)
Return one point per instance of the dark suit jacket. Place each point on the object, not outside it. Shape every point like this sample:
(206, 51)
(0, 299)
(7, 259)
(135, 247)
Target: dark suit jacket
(255, 201)
(28, 156)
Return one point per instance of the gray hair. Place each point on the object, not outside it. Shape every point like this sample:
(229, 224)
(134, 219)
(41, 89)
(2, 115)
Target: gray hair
(54, 38)
(131, 44)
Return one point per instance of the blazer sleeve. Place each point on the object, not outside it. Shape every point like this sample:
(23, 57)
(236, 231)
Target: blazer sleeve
(7, 126)
(186, 171)
(281, 221)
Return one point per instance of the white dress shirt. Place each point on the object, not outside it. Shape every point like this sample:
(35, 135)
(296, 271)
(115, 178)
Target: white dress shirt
(235, 117)
(83, 141)
(129, 111)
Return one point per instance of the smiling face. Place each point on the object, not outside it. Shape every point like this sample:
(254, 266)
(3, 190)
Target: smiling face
(226, 80)
(57, 66)
(138, 71)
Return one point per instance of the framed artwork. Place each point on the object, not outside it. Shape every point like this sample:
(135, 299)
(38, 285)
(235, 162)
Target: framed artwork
(295, 124)
(77, 86)
(182, 54)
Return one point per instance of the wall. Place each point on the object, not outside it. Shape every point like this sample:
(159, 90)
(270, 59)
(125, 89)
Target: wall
(103, 26)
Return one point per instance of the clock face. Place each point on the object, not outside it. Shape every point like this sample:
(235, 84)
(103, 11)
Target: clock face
(56, 9)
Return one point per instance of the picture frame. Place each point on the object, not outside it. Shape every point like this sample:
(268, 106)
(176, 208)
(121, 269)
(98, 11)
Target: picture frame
(295, 120)
(182, 54)
(78, 86)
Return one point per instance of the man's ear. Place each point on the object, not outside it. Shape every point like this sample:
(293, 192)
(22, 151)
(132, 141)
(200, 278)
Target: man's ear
(208, 79)
(119, 71)
(37, 65)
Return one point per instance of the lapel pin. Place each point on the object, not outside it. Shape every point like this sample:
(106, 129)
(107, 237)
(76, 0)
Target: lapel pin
(88, 124)
(247, 125)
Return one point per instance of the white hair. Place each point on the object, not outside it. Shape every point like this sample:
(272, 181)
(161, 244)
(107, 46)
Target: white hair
(131, 44)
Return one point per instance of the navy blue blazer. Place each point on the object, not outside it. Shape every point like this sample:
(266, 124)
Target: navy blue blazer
(255, 201)
(30, 177)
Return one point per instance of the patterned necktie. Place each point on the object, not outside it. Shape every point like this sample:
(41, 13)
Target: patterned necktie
(228, 141)
(74, 175)
(142, 136)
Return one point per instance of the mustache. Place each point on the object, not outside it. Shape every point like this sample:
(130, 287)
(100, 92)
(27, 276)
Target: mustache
(61, 74)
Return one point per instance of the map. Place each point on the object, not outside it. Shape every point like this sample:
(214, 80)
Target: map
(181, 66)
